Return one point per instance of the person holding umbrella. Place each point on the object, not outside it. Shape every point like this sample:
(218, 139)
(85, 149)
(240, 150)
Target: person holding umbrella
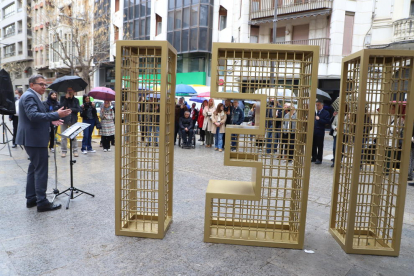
(73, 104)
(89, 116)
(108, 126)
(69, 85)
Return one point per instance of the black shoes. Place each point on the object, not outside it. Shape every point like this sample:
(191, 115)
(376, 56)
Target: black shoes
(14, 146)
(318, 162)
(31, 204)
(313, 160)
(48, 207)
(333, 165)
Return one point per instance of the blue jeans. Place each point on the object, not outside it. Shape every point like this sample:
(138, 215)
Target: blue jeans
(157, 132)
(87, 134)
(276, 136)
(218, 142)
(234, 138)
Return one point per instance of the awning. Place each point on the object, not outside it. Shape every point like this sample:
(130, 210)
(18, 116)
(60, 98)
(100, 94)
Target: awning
(291, 16)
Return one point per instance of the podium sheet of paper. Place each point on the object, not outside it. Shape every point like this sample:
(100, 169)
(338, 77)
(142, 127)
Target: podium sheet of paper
(74, 130)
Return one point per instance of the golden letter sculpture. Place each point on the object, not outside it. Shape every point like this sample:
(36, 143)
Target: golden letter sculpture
(145, 101)
(269, 210)
(373, 150)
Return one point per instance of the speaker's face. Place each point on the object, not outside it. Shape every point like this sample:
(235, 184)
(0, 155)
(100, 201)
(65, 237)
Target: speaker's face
(39, 86)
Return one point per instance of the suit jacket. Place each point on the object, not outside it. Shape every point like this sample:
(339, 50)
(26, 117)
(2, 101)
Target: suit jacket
(324, 118)
(34, 121)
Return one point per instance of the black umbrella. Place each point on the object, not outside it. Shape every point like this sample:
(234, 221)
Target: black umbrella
(322, 95)
(62, 84)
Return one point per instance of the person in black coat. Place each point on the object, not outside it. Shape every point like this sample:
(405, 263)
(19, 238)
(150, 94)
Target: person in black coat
(322, 118)
(52, 105)
(69, 101)
(15, 117)
(89, 115)
(186, 129)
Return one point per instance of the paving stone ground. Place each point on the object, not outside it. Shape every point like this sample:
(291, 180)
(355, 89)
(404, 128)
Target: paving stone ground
(81, 240)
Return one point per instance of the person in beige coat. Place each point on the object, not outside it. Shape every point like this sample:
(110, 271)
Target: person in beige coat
(219, 119)
(208, 123)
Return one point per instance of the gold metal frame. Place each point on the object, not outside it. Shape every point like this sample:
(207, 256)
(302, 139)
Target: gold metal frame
(269, 210)
(145, 72)
(370, 179)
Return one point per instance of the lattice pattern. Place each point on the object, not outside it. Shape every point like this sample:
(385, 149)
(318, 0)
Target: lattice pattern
(144, 165)
(370, 147)
(284, 75)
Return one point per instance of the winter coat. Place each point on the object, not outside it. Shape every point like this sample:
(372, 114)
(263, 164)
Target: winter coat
(219, 118)
(334, 125)
(289, 123)
(73, 104)
(237, 117)
(200, 119)
(186, 123)
(208, 124)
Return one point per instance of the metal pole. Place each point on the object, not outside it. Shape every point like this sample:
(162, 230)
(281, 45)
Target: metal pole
(71, 45)
(275, 22)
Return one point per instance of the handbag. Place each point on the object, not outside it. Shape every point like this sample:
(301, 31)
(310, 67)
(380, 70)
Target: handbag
(331, 132)
(98, 123)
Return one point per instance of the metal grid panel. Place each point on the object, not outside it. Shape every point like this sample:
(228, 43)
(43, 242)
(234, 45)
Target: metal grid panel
(144, 154)
(276, 214)
(369, 194)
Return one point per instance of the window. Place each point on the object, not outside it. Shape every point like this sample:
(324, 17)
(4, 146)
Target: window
(9, 30)
(412, 9)
(254, 34)
(158, 26)
(348, 33)
(222, 18)
(9, 10)
(280, 35)
(255, 5)
(9, 50)
(300, 32)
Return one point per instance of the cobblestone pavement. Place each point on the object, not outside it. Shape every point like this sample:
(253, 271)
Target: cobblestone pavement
(81, 240)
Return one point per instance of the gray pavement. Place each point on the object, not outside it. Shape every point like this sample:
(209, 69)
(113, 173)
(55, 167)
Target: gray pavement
(81, 240)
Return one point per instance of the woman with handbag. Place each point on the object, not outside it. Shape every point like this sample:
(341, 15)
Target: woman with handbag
(208, 123)
(90, 116)
(219, 118)
(108, 126)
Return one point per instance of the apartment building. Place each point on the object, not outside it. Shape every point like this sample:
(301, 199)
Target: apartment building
(41, 17)
(16, 41)
(392, 25)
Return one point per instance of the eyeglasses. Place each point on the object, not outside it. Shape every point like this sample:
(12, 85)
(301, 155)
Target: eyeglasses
(41, 84)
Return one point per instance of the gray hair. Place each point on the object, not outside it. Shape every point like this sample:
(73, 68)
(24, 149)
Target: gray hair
(34, 78)
(187, 112)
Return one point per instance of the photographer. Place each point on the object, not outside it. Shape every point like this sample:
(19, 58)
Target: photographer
(71, 103)
(89, 116)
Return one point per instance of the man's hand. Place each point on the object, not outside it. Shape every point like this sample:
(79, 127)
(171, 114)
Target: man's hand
(186, 129)
(57, 123)
(335, 113)
(64, 112)
(93, 104)
(317, 118)
(67, 96)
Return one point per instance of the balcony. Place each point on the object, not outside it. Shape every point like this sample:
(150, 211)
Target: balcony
(404, 29)
(266, 8)
(323, 44)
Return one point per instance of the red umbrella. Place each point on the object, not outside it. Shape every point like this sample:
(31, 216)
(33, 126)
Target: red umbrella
(102, 93)
(204, 94)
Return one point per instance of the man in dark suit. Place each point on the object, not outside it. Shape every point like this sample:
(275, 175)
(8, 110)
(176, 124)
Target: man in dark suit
(33, 134)
(15, 118)
(322, 117)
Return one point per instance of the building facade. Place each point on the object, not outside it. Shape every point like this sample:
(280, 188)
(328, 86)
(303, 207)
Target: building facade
(16, 41)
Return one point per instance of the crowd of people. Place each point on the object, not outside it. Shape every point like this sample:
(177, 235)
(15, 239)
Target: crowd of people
(35, 125)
